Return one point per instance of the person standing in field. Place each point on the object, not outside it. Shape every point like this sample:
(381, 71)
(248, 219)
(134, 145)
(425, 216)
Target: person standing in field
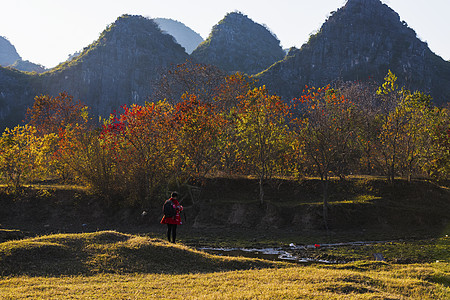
(172, 218)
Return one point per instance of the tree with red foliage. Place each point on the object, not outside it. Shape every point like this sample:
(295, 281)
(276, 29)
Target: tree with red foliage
(141, 143)
(52, 114)
(199, 131)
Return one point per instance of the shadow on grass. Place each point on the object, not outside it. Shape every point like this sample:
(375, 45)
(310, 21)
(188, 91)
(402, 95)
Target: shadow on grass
(112, 252)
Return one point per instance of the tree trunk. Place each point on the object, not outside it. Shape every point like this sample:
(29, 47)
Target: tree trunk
(410, 168)
(325, 201)
(392, 177)
(394, 155)
(410, 171)
(261, 190)
(368, 157)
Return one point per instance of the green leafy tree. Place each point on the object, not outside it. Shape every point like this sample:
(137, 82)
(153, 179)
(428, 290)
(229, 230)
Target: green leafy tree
(24, 156)
(262, 131)
(226, 102)
(414, 112)
(391, 128)
(435, 159)
(405, 128)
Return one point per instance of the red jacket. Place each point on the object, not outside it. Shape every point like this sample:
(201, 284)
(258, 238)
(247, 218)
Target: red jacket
(174, 220)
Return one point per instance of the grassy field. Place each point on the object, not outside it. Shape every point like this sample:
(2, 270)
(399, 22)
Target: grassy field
(113, 265)
(135, 262)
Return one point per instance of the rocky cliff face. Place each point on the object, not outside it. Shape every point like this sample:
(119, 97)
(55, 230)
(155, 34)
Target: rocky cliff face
(10, 58)
(185, 36)
(8, 53)
(118, 68)
(16, 92)
(238, 44)
(363, 39)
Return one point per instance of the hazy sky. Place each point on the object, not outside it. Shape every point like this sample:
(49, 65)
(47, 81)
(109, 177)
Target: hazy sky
(47, 31)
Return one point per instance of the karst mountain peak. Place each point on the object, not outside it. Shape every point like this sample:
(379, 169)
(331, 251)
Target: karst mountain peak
(361, 40)
(237, 43)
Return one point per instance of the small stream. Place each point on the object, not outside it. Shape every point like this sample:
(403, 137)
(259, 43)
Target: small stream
(288, 253)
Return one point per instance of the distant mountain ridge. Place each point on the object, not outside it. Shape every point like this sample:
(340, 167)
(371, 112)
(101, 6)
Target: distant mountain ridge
(10, 58)
(118, 68)
(363, 39)
(237, 43)
(184, 35)
(27, 66)
(8, 53)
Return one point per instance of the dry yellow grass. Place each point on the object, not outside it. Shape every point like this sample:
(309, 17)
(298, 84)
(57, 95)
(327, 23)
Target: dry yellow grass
(112, 265)
(308, 282)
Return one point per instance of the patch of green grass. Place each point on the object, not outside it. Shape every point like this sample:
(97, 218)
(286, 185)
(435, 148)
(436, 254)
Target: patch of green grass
(51, 186)
(369, 199)
(358, 199)
(403, 252)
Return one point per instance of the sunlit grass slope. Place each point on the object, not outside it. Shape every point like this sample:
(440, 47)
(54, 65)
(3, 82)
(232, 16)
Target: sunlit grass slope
(112, 265)
(110, 252)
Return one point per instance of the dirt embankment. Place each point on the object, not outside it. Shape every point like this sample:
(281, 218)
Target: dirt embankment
(358, 205)
(353, 204)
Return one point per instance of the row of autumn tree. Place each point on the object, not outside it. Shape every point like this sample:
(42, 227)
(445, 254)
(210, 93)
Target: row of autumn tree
(230, 128)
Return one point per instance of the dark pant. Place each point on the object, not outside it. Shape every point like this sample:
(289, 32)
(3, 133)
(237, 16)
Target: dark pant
(172, 231)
